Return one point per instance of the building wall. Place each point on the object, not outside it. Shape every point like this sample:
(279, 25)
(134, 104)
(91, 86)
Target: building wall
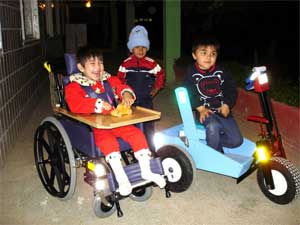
(287, 117)
(20, 77)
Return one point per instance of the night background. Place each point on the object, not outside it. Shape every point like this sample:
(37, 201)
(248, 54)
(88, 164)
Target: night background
(251, 32)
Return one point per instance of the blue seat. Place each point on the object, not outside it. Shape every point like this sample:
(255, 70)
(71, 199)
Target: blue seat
(71, 64)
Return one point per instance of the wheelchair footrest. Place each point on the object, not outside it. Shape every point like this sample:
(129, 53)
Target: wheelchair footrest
(133, 172)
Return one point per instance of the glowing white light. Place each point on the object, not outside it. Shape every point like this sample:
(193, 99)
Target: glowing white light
(263, 79)
(259, 69)
(181, 97)
(158, 140)
(99, 185)
(99, 170)
(254, 75)
(88, 4)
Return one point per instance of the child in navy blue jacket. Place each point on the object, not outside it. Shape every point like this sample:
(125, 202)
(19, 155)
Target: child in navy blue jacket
(143, 74)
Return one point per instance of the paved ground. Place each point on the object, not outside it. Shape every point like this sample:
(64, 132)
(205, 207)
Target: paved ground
(211, 200)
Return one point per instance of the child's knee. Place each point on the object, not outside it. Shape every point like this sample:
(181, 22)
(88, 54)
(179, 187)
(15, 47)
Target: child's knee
(236, 142)
(213, 127)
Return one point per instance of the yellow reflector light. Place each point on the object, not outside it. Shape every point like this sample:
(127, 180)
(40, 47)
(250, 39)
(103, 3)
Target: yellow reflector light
(47, 67)
(262, 154)
(91, 166)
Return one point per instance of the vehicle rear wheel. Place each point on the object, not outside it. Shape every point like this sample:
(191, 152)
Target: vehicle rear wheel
(286, 180)
(178, 167)
(101, 210)
(54, 159)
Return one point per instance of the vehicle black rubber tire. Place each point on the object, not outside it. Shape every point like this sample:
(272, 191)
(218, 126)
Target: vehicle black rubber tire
(177, 156)
(141, 195)
(281, 168)
(102, 210)
(54, 159)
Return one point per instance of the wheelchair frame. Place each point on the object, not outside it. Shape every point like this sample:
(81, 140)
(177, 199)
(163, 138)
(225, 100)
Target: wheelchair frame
(64, 142)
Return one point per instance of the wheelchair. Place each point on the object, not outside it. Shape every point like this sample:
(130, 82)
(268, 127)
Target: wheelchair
(65, 142)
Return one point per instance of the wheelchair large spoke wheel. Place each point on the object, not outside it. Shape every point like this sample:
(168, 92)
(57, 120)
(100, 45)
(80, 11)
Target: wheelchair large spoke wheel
(54, 159)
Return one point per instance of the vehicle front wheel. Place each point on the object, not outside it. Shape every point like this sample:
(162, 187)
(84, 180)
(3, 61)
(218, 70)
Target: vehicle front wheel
(286, 180)
(178, 167)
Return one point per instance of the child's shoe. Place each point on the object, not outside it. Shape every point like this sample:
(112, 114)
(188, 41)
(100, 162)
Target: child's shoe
(144, 156)
(114, 160)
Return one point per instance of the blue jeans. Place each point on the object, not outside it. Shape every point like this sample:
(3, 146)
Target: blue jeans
(222, 132)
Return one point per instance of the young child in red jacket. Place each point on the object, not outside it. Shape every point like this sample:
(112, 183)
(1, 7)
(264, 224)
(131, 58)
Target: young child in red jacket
(142, 73)
(93, 91)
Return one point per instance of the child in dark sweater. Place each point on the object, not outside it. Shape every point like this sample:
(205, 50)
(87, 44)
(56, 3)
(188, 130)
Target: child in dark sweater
(213, 93)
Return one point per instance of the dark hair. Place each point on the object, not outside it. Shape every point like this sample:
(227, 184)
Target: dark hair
(206, 40)
(86, 52)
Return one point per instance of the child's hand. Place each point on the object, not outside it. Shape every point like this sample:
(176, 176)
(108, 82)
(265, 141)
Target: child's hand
(127, 99)
(106, 106)
(154, 92)
(204, 113)
(224, 110)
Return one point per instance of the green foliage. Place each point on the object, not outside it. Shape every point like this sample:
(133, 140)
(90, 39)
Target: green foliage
(282, 90)
(238, 72)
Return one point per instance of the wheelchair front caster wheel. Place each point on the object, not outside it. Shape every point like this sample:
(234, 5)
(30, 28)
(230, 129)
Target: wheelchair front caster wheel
(141, 195)
(101, 210)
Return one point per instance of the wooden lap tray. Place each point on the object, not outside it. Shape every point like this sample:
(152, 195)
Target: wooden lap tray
(139, 114)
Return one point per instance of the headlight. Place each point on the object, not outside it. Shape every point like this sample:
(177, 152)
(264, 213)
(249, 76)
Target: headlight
(158, 140)
(100, 184)
(262, 154)
(263, 79)
(98, 169)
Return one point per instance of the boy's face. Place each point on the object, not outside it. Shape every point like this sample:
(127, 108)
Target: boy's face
(205, 56)
(139, 51)
(93, 68)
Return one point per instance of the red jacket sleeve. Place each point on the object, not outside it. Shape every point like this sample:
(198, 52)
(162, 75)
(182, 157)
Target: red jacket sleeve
(121, 73)
(77, 100)
(160, 77)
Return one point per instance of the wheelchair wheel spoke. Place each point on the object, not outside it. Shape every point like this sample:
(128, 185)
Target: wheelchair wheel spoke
(44, 144)
(52, 177)
(51, 141)
(60, 182)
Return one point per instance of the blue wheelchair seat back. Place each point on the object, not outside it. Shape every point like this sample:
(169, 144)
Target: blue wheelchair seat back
(80, 134)
(71, 63)
(71, 67)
